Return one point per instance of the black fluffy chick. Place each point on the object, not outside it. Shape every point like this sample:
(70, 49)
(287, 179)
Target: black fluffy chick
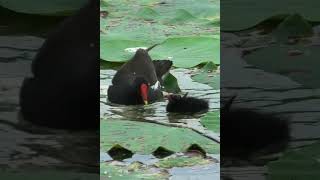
(245, 132)
(187, 105)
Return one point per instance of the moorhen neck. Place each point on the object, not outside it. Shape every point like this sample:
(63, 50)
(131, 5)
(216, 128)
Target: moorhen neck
(139, 80)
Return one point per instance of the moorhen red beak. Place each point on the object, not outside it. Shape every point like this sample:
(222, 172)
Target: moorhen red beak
(144, 93)
(139, 80)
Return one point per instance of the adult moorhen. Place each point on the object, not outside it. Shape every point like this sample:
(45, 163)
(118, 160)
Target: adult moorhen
(139, 80)
(63, 92)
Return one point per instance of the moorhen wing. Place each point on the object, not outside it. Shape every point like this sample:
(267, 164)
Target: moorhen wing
(63, 90)
(139, 80)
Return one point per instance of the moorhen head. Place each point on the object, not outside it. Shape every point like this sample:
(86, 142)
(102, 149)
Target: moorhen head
(139, 80)
(188, 105)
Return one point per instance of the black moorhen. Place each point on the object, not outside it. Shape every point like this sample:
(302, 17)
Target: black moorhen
(139, 80)
(245, 132)
(63, 92)
(186, 105)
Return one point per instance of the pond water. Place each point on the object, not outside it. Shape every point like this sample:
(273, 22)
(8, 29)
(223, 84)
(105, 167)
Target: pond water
(156, 112)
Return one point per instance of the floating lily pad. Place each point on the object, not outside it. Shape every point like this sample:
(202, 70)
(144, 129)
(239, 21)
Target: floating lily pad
(302, 164)
(212, 121)
(171, 162)
(182, 16)
(184, 52)
(171, 84)
(292, 27)
(44, 7)
(206, 75)
(239, 15)
(147, 13)
(145, 138)
(188, 52)
(40, 174)
(135, 171)
(154, 22)
(296, 62)
(118, 50)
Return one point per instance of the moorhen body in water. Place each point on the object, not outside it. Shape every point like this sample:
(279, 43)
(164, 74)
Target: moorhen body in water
(139, 80)
(63, 92)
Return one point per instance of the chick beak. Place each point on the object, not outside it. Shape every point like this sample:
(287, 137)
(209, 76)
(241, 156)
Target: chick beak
(145, 102)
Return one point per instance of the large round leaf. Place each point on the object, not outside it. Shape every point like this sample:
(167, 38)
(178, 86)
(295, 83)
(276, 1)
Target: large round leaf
(302, 164)
(118, 50)
(154, 21)
(297, 62)
(188, 52)
(43, 7)
(212, 121)
(134, 171)
(145, 138)
(48, 174)
(238, 15)
(207, 76)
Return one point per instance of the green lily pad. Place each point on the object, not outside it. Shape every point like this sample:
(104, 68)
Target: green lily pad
(212, 121)
(188, 52)
(147, 13)
(239, 15)
(118, 50)
(171, 162)
(296, 62)
(170, 84)
(301, 164)
(40, 174)
(207, 76)
(44, 7)
(145, 138)
(293, 26)
(184, 52)
(154, 22)
(182, 16)
(135, 171)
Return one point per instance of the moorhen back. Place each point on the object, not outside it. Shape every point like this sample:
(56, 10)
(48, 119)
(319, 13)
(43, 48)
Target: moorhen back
(139, 80)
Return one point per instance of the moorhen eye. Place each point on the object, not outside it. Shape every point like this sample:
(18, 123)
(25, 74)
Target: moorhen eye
(126, 83)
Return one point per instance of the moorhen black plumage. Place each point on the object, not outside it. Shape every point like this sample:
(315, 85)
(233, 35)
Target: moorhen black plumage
(139, 80)
(245, 132)
(63, 92)
(186, 105)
